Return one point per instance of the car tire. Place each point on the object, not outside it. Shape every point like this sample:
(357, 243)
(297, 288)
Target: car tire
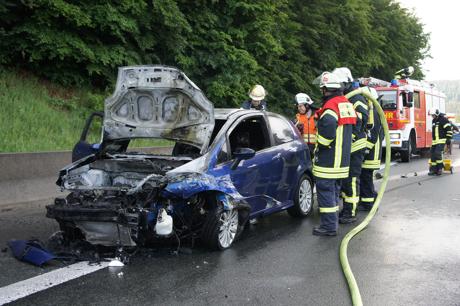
(303, 198)
(221, 229)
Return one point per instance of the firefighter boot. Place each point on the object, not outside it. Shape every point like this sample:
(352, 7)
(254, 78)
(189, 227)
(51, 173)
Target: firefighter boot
(319, 231)
(328, 226)
(346, 215)
(432, 171)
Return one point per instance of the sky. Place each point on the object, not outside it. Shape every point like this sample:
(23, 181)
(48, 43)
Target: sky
(441, 19)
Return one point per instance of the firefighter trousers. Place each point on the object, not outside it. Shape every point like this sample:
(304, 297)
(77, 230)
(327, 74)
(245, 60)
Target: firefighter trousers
(328, 193)
(436, 163)
(367, 190)
(351, 184)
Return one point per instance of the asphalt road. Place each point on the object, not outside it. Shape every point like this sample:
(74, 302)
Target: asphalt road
(409, 255)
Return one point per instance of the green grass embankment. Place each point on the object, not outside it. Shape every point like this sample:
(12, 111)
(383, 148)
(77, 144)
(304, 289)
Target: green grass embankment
(37, 115)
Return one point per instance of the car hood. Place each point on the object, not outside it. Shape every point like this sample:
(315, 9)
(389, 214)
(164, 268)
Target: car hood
(158, 102)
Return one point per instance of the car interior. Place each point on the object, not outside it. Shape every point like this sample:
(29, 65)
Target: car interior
(250, 133)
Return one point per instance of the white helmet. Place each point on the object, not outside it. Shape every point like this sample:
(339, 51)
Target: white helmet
(303, 98)
(344, 74)
(371, 91)
(434, 112)
(257, 93)
(329, 81)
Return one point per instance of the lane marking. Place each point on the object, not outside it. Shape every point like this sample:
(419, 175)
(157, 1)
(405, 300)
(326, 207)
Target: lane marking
(13, 292)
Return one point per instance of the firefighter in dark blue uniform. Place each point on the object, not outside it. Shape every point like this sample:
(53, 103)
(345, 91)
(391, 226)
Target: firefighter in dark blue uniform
(441, 134)
(332, 151)
(256, 101)
(371, 158)
(351, 184)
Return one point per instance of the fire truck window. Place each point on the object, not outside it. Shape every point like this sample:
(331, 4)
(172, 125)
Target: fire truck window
(417, 99)
(389, 99)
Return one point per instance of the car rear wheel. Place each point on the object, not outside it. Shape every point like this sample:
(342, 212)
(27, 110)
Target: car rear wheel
(221, 228)
(303, 199)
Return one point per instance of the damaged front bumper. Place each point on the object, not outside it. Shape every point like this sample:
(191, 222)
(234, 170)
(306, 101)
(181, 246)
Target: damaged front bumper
(103, 226)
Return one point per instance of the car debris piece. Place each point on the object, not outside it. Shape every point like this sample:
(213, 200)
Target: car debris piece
(116, 263)
(30, 251)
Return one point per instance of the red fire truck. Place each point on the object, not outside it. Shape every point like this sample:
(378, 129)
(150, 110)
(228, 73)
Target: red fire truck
(406, 104)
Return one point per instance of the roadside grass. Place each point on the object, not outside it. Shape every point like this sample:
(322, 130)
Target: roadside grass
(37, 115)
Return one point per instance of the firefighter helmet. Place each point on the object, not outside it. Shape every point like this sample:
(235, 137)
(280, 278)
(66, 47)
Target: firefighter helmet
(303, 98)
(434, 112)
(344, 74)
(257, 93)
(329, 80)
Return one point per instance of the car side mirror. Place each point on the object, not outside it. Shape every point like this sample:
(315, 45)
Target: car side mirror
(241, 154)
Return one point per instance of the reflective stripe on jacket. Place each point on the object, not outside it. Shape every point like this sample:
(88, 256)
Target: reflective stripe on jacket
(441, 130)
(374, 142)
(361, 107)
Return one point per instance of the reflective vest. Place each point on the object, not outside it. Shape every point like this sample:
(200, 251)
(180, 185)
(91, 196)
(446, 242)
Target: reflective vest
(309, 128)
(333, 139)
(441, 130)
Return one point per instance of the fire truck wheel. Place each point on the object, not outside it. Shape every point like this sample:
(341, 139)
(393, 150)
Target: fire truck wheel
(406, 155)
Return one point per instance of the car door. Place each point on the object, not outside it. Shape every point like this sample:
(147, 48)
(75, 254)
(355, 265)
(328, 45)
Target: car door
(290, 159)
(252, 178)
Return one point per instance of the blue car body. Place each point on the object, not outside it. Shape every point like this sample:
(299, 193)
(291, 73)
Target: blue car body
(265, 182)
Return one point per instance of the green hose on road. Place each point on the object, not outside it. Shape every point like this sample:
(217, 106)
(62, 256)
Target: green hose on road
(352, 285)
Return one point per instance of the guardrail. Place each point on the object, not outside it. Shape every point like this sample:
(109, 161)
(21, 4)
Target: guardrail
(26, 177)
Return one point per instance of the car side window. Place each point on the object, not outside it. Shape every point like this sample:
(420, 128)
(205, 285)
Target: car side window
(281, 130)
(250, 133)
(223, 155)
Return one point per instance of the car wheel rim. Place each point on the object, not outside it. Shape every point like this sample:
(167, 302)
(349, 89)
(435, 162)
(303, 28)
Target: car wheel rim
(228, 227)
(305, 193)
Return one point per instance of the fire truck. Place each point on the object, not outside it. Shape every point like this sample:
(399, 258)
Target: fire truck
(406, 104)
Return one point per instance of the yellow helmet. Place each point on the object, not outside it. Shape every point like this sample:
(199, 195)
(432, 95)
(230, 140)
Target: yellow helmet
(257, 93)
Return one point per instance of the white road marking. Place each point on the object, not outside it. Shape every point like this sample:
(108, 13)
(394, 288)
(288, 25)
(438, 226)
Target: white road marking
(45, 281)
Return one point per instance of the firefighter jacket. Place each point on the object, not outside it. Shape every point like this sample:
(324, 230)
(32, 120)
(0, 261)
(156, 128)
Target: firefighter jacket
(248, 105)
(441, 130)
(360, 105)
(307, 121)
(374, 141)
(333, 138)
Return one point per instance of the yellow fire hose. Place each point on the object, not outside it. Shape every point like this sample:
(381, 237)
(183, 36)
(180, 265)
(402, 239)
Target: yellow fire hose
(352, 285)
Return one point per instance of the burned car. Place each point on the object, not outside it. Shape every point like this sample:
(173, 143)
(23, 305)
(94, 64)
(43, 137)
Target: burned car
(227, 166)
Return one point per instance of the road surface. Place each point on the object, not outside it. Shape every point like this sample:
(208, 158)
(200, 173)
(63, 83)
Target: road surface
(409, 255)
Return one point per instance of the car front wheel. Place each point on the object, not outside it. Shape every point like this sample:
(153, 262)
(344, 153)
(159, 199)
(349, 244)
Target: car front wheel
(221, 228)
(303, 198)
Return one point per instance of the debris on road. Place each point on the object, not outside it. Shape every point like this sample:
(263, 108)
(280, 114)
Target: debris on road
(116, 263)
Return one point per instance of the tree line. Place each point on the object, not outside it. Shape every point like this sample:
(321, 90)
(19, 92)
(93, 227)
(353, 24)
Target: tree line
(225, 46)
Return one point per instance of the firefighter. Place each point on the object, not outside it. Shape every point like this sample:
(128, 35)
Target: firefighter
(372, 157)
(256, 95)
(332, 151)
(351, 184)
(441, 134)
(305, 119)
